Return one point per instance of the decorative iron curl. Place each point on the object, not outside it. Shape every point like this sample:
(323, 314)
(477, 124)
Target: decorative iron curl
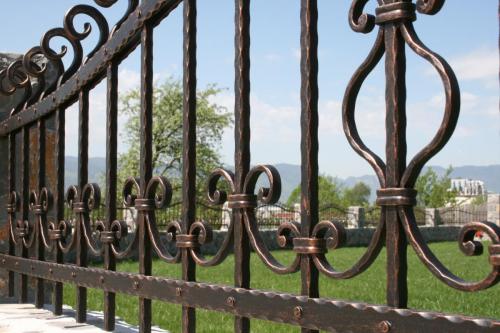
(400, 15)
(466, 244)
(39, 205)
(358, 20)
(247, 202)
(13, 205)
(81, 202)
(6, 91)
(57, 56)
(429, 7)
(132, 5)
(100, 20)
(156, 194)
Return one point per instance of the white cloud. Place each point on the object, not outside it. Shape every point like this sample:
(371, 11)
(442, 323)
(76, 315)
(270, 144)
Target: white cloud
(479, 64)
(272, 57)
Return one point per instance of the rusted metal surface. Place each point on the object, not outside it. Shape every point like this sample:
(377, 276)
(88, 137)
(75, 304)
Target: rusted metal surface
(310, 239)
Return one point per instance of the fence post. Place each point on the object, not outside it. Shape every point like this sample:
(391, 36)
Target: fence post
(355, 217)
(494, 208)
(432, 217)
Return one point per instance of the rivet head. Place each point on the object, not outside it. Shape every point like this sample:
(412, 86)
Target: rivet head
(384, 326)
(178, 292)
(73, 274)
(16, 263)
(101, 279)
(231, 301)
(51, 270)
(298, 312)
(136, 284)
(3, 261)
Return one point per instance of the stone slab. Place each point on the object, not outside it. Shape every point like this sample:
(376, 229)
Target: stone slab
(25, 318)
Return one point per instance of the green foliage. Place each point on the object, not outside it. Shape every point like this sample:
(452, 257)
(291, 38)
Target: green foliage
(480, 200)
(212, 119)
(332, 192)
(358, 195)
(329, 192)
(434, 191)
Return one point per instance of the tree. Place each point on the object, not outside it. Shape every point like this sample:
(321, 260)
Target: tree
(329, 192)
(358, 195)
(434, 191)
(212, 120)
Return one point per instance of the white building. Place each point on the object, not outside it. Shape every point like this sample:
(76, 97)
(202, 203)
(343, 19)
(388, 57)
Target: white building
(468, 187)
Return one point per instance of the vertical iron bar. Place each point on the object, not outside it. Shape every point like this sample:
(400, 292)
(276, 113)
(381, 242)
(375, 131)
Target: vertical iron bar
(25, 184)
(395, 67)
(309, 140)
(39, 249)
(242, 147)
(189, 152)
(57, 296)
(12, 188)
(81, 245)
(111, 175)
(146, 154)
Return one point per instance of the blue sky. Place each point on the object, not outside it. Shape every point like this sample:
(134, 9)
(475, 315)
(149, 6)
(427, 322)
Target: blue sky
(465, 35)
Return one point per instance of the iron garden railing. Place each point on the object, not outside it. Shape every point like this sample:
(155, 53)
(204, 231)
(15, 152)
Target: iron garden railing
(310, 238)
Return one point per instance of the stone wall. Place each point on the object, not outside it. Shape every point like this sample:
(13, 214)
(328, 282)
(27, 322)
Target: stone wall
(355, 238)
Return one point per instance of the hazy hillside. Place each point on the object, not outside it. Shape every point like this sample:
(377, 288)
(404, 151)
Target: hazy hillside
(290, 175)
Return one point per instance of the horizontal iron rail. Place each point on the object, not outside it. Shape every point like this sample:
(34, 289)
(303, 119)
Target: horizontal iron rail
(122, 42)
(319, 313)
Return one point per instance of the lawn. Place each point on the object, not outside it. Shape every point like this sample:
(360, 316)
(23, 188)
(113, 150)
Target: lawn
(425, 291)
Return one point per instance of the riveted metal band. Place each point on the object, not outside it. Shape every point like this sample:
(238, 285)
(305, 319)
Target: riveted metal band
(38, 210)
(144, 204)
(21, 232)
(395, 12)
(309, 245)
(396, 197)
(11, 208)
(107, 237)
(55, 234)
(242, 201)
(186, 241)
(80, 207)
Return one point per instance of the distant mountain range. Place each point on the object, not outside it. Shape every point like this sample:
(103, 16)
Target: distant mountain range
(290, 175)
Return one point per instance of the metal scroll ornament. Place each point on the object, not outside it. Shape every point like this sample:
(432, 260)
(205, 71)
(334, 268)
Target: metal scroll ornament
(397, 179)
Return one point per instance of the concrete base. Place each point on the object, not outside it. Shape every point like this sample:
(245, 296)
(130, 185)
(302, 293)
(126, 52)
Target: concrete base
(25, 318)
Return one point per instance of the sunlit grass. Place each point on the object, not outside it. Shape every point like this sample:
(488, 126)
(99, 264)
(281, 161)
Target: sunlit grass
(425, 291)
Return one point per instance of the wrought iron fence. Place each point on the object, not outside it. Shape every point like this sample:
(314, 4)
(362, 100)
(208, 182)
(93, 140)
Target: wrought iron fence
(396, 228)
(460, 215)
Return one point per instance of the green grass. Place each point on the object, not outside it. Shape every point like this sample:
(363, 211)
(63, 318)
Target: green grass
(425, 291)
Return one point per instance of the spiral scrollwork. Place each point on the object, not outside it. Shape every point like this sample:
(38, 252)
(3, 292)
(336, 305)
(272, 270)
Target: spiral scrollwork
(33, 64)
(358, 19)
(246, 202)
(156, 194)
(39, 204)
(100, 20)
(132, 5)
